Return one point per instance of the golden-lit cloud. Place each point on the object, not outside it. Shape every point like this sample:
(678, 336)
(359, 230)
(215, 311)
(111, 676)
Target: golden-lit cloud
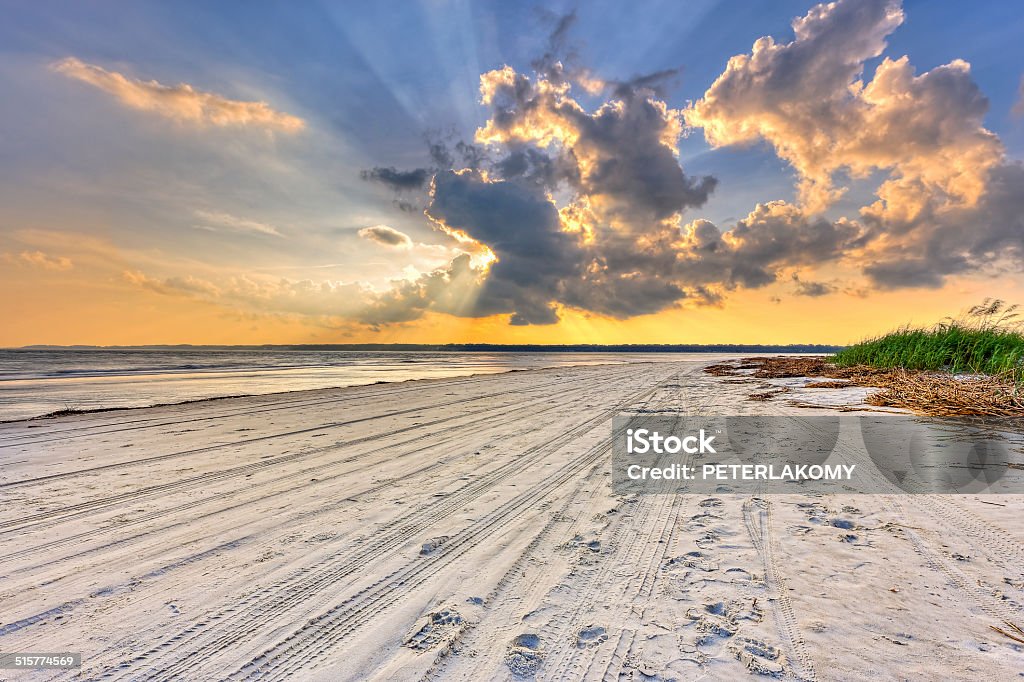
(172, 286)
(38, 259)
(946, 203)
(547, 121)
(182, 102)
(808, 100)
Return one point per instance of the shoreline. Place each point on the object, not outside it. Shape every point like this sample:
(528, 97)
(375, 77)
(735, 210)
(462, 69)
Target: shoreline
(71, 413)
(101, 384)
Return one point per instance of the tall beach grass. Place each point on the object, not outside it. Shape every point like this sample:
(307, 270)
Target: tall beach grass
(986, 339)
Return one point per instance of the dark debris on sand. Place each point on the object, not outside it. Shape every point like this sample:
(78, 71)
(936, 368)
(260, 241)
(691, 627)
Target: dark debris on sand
(923, 392)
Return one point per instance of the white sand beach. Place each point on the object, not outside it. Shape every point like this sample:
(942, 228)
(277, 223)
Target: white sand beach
(465, 529)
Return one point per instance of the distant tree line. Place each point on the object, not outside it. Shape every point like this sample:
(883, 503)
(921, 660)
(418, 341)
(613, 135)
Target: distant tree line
(495, 347)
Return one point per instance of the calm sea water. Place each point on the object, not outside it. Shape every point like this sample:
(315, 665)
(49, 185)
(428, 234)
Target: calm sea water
(35, 382)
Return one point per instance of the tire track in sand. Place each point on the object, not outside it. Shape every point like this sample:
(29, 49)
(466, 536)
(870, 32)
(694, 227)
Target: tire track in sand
(311, 642)
(384, 540)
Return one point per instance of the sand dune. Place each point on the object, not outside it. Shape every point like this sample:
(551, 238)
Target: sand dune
(465, 529)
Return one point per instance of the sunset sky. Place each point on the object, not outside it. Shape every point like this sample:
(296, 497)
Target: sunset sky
(436, 171)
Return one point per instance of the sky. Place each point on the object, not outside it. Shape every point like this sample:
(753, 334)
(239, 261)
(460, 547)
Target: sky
(445, 171)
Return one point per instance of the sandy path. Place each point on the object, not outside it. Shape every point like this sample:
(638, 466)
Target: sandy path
(465, 529)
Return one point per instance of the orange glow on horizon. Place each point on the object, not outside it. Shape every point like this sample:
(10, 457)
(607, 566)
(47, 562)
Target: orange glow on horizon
(69, 306)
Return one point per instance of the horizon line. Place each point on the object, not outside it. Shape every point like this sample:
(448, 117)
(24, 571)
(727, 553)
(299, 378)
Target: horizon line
(635, 347)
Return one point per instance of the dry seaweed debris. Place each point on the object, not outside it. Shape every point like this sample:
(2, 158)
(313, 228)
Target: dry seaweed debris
(947, 396)
(929, 393)
(730, 369)
(1015, 633)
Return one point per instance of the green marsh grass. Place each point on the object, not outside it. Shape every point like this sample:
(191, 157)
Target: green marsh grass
(987, 339)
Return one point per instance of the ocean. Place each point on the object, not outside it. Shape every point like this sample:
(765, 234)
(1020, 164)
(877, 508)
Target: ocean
(37, 382)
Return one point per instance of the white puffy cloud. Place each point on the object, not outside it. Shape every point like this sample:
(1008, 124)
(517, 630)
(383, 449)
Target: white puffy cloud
(807, 98)
(945, 203)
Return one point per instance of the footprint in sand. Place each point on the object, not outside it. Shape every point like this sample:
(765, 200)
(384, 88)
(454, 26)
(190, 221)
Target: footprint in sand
(432, 545)
(721, 620)
(699, 560)
(690, 571)
(815, 512)
(744, 610)
(710, 625)
(758, 656)
(524, 655)
(742, 575)
(702, 520)
(587, 551)
(707, 539)
(591, 636)
(437, 627)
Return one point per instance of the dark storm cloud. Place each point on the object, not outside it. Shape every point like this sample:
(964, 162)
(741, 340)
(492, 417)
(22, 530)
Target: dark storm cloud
(386, 236)
(943, 240)
(903, 273)
(774, 236)
(654, 83)
(534, 166)
(623, 152)
(559, 57)
(521, 227)
(396, 179)
(631, 163)
(810, 288)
